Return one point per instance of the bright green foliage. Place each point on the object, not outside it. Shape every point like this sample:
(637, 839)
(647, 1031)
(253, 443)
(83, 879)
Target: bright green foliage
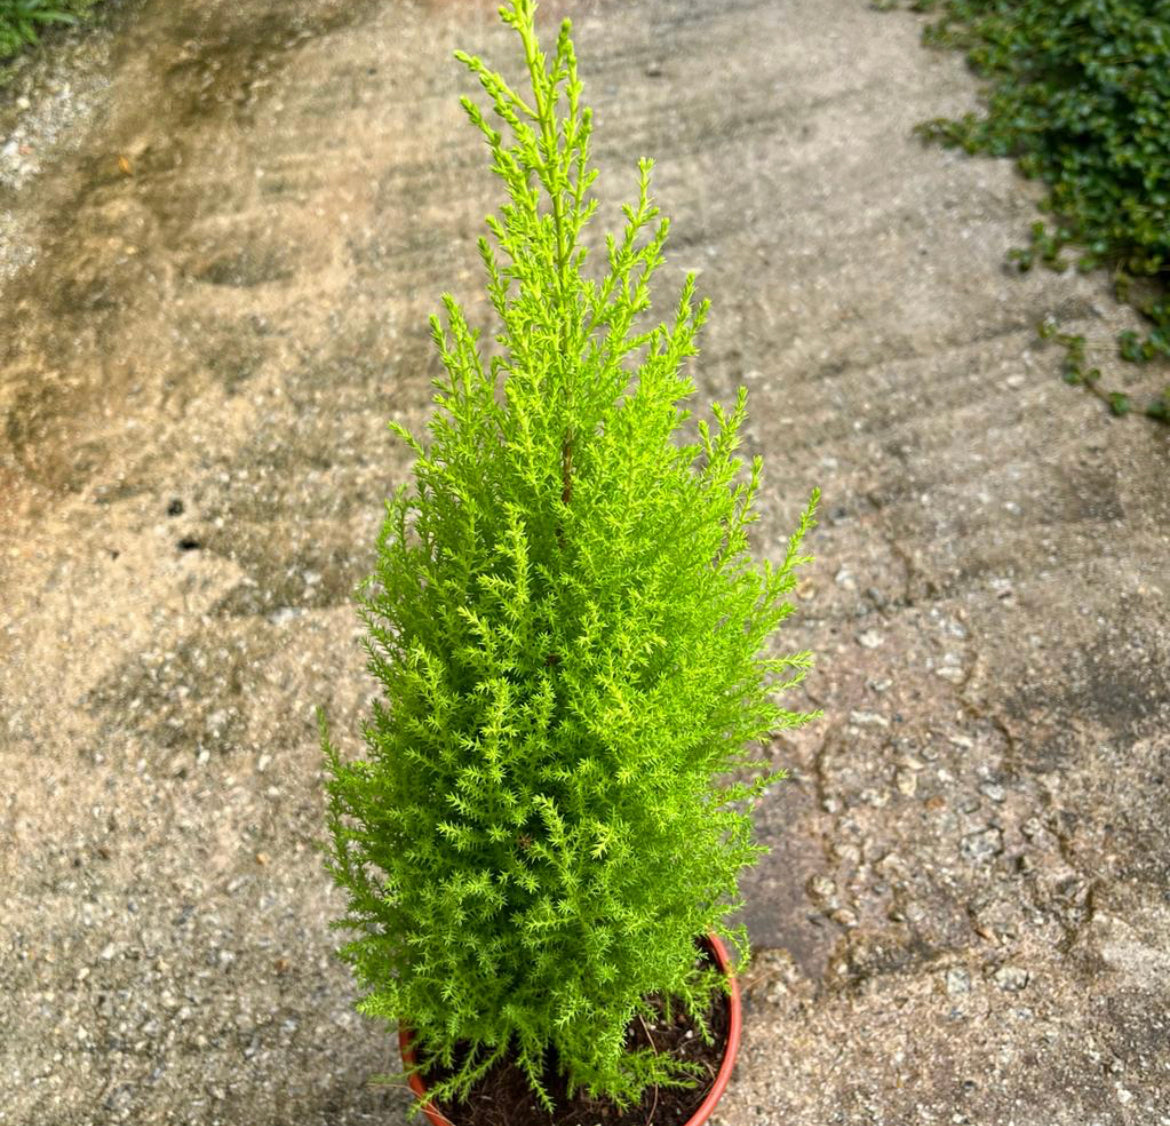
(1080, 94)
(571, 636)
(22, 20)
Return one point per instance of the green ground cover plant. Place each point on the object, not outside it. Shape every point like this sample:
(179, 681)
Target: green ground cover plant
(1078, 91)
(572, 641)
(23, 21)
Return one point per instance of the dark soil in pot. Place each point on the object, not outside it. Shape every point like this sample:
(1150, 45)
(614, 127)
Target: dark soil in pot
(504, 1098)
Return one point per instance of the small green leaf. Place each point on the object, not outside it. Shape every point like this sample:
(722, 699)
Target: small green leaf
(1119, 403)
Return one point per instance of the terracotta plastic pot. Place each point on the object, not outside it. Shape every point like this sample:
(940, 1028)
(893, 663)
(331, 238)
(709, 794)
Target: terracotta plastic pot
(406, 1036)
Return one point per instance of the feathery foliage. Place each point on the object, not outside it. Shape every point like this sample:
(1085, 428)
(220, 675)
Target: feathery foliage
(570, 633)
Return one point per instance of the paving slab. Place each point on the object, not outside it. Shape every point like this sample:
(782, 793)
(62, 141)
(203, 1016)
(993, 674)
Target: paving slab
(217, 261)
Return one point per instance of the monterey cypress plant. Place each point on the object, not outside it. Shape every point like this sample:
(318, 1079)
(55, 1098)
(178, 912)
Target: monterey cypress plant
(570, 634)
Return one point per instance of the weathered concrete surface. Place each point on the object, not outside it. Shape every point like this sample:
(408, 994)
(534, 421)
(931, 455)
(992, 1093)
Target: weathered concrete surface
(967, 915)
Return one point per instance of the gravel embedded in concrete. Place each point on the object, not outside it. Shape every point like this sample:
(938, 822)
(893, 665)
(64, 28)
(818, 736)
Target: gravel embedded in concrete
(214, 295)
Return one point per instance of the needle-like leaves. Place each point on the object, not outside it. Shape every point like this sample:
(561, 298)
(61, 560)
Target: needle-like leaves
(572, 639)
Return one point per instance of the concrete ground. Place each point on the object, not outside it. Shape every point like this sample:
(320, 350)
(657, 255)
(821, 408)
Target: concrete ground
(222, 227)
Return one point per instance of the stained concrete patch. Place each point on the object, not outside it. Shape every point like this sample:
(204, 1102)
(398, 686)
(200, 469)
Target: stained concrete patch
(224, 299)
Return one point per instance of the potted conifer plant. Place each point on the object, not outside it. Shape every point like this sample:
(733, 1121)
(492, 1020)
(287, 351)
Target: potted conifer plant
(541, 849)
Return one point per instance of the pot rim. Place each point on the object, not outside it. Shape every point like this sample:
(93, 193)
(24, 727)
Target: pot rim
(706, 1108)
